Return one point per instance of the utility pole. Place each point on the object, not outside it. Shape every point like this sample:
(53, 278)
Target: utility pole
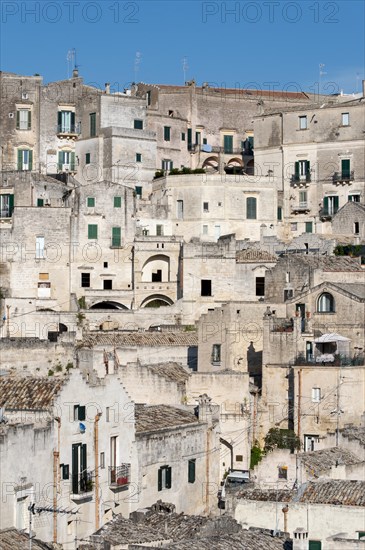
(8, 321)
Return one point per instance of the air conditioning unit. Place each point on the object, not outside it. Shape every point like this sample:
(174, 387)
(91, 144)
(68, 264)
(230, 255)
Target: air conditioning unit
(25, 95)
(11, 115)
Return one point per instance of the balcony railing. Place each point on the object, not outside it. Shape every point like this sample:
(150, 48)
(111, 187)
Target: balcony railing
(205, 148)
(282, 325)
(301, 207)
(327, 213)
(329, 359)
(6, 212)
(82, 483)
(301, 180)
(119, 476)
(68, 129)
(343, 177)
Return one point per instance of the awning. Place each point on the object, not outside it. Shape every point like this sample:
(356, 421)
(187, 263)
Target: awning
(331, 337)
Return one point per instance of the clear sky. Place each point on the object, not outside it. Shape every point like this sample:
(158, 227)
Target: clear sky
(269, 44)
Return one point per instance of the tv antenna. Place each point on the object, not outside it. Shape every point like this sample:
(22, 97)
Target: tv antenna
(33, 509)
(137, 62)
(185, 67)
(71, 61)
(321, 73)
(357, 82)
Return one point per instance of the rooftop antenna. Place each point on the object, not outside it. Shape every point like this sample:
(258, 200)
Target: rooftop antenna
(321, 73)
(357, 82)
(185, 67)
(137, 62)
(71, 61)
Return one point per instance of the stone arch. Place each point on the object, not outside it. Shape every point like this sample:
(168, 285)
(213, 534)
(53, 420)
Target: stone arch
(156, 269)
(211, 163)
(108, 304)
(157, 300)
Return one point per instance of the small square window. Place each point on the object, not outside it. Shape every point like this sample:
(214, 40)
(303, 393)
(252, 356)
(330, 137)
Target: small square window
(206, 287)
(92, 231)
(117, 202)
(107, 284)
(90, 202)
(205, 141)
(105, 264)
(293, 226)
(85, 280)
(316, 395)
(283, 472)
(216, 354)
(260, 286)
(138, 124)
(167, 133)
(183, 136)
(138, 190)
(205, 206)
(302, 123)
(87, 158)
(309, 227)
(345, 117)
(138, 157)
(40, 202)
(239, 458)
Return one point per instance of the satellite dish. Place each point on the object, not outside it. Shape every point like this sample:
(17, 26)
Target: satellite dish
(82, 428)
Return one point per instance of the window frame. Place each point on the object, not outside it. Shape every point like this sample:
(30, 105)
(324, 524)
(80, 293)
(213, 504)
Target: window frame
(85, 280)
(164, 478)
(303, 122)
(216, 358)
(138, 124)
(27, 123)
(92, 228)
(251, 208)
(191, 470)
(343, 119)
(167, 133)
(326, 303)
(90, 202)
(117, 201)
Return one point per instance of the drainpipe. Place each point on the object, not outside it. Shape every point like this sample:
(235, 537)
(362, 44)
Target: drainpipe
(207, 473)
(299, 399)
(285, 512)
(56, 477)
(96, 459)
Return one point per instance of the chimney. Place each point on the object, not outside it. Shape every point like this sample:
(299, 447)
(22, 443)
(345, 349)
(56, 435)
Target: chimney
(107, 88)
(75, 73)
(300, 539)
(363, 88)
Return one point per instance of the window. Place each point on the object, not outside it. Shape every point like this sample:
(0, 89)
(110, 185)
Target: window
(65, 471)
(180, 209)
(116, 236)
(164, 478)
(183, 135)
(66, 122)
(105, 264)
(205, 141)
(191, 470)
(85, 280)
(167, 164)
(25, 159)
(354, 198)
(216, 354)
(205, 206)
(23, 119)
(198, 138)
(302, 123)
(260, 286)
(283, 472)
(159, 230)
(251, 208)
(345, 168)
(138, 124)
(157, 276)
(280, 213)
(287, 277)
(288, 294)
(206, 287)
(92, 231)
(316, 395)
(90, 201)
(92, 121)
(228, 144)
(66, 161)
(217, 231)
(108, 284)
(148, 96)
(39, 248)
(345, 119)
(309, 227)
(6, 205)
(138, 190)
(326, 303)
(315, 545)
(102, 461)
(167, 133)
(239, 458)
(302, 170)
(293, 226)
(79, 469)
(40, 202)
(79, 412)
(43, 276)
(138, 157)
(205, 230)
(87, 158)
(330, 205)
(117, 202)
(356, 228)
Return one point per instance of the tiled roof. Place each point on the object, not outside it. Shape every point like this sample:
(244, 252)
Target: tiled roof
(327, 263)
(237, 92)
(29, 393)
(335, 491)
(270, 495)
(12, 539)
(170, 371)
(152, 339)
(151, 418)
(245, 540)
(124, 531)
(354, 432)
(318, 462)
(356, 289)
(253, 255)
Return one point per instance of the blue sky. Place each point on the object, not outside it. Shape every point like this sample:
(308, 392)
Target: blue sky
(269, 44)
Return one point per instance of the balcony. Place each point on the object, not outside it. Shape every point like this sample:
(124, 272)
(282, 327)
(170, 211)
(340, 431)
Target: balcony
(119, 476)
(329, 359)
(82, 486)
(326, 214)
(206, 148)
(300, 181)
(301, 208)
(282, 325)
(68, 130)
(343, 178)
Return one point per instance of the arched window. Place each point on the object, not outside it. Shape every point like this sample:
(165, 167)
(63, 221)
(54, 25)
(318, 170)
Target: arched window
(326, 303)
(251, 213)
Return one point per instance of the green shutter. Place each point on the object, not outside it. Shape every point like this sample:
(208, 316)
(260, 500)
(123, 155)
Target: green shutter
(72, 122)
(116, 236)
(307, 167)
(325, 205)
(29, 120)
(191, 471)
(11, 205)
(20, 159)
(40, 202)
(30, 160)
(190, 137)
(159, 480)
(335, 204)
(92, 124)
(251, 208)
(61, 157)
(72, 167)
(117, 202)
(81, 412)
(228, 144)
(168, 477)
(92, 230)
(315, 545)
(139, 191)
(345, 168)
(309, 227)
(280, 213)
(17, 120)
(166, 133)
(75, 468)
(59, 120)
(87, 158)
(297, 170)
(90, 202)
